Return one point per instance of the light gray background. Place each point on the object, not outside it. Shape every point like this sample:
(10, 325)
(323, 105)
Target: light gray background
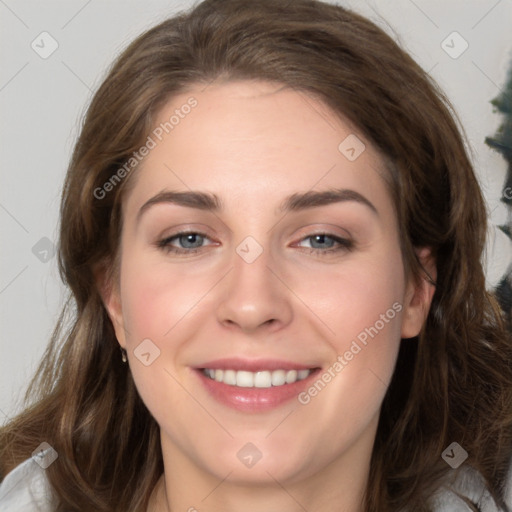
(42, 101)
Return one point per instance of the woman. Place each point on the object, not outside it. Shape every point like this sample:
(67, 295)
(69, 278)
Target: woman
(271, 212)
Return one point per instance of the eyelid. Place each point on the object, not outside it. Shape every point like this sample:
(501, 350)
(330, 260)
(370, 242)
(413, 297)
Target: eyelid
(341, 244)
(185, 228)
(342, 241)
(164, 242)
(332, 230)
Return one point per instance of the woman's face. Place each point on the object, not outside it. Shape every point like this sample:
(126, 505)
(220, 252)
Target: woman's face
(263, 341)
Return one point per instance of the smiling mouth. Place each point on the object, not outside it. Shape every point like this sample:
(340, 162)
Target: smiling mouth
(255, 386)
(259, 379)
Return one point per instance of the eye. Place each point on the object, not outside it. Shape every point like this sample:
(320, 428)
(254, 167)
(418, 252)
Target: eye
(321, 243)
(188, 242)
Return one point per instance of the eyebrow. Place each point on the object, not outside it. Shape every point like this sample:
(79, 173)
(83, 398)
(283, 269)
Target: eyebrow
(313, 199)
(191, 199)
(293, 203)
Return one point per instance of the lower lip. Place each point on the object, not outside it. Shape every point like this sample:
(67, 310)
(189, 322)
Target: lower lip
(254, 399)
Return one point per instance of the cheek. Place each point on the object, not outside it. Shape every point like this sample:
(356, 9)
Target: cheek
(354, 296)
(157, 297)
(335, 305)
(156, 300)
(361, 305)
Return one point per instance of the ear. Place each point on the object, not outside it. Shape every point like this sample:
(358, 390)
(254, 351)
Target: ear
(418, 296)
(109, 291)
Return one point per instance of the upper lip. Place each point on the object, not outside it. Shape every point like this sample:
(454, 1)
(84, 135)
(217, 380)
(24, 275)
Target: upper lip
(254, 365)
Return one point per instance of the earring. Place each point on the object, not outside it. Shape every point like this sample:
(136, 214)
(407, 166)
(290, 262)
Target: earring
(123, 355)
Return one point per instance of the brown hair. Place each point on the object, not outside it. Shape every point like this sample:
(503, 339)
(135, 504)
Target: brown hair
(452, 383)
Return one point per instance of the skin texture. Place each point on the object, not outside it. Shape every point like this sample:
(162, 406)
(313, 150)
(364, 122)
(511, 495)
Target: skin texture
(253, 144)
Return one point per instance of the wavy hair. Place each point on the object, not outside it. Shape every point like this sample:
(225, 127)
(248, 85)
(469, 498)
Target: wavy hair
(452, 383)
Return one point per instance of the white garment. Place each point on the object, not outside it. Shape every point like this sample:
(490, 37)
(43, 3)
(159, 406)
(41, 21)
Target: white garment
(26, 489)
(470, 484)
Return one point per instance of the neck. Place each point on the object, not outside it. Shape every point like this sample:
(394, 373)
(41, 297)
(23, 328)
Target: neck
(338, 487)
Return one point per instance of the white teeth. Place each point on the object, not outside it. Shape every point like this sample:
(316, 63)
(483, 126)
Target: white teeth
(262, 379)
(302, 374)
(245, 379)
(278, 378)
(230, 377)
(291, 376)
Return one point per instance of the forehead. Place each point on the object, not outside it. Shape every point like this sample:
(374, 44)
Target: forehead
(254, 141)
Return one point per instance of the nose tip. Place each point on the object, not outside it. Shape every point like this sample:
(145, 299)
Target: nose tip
(252, 297)
(250, 320)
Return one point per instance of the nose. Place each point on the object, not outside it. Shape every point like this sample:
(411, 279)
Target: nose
(254, 297)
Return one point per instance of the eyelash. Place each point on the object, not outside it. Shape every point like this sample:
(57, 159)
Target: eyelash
(343, 244)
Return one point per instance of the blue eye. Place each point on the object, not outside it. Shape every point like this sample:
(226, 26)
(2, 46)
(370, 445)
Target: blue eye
(190, 242)
(320, 240)
(324, 243)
